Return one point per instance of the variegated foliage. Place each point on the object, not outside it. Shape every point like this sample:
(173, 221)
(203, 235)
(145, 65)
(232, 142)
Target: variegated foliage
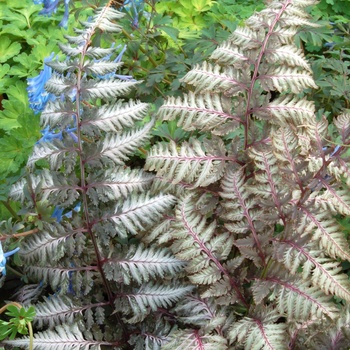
(259, 194)
(106, 288)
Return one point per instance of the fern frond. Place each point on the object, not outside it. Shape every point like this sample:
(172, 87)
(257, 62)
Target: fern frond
(240, 213)
(342, 123)
(244, 36)
(194, 340)
(286, 110)
(141, 264)
(268, 183)
(64, 279)
(117, 147)
(298, 301)
(106, 89)
(197, 243)
(49, 183)
(322, 271)
(327, 233)
(103, 19)
(261, 332)
(29, 294)
(138, 212)
(190, 163)
(151, 338)
(202, 313)
(59, 85)
(70, 50)
(289, 55)
(335, 200)
(63, 66)
(208, 77)
(114, 117)
(227, 53)
(116, 183)
(57, 114)
(334, 334)
(154, 296)
(59, 309)
(43, 247)
(56, 154)
(204, 112)
(101, 67)
(285, 79)
(64, 337)
(98, 52)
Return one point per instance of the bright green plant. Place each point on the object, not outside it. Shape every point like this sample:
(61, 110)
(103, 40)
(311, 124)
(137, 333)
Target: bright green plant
(20, 321)
(26, 39)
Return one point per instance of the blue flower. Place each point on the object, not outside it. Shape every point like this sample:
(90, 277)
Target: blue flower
(49, 135)
(134, 7)
(57, 214)
(3, 257)
(335, 150)
(117, 60)
(37, 95)
(50, 7)
(128, 3)
(64, 22)
(58, 211)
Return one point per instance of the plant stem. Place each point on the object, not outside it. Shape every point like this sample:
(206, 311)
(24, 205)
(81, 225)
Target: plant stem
(9, 208)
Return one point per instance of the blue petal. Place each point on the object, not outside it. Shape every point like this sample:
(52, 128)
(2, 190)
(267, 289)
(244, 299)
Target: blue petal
(57, 214)
(64, 22)
(50, 7)
(37, 95)
(3, 257)
(11, 252)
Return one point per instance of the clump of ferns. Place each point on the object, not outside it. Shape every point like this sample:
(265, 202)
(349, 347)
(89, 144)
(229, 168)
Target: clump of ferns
(108, 287)
(258, 194)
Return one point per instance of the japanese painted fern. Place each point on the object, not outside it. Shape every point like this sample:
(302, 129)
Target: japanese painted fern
(259, 188)
(107, 288)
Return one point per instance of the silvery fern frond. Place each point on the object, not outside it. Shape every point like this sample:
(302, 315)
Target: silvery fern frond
(138, 303)
(111, 184)
(322, 271)
(138, 212)
(57, 309)
(260, 332)
(206, 112)
(194, 340)
(63, 337)
(273, 188)
(141, 264)
(93, 207)
(115, 117)
(190, 163)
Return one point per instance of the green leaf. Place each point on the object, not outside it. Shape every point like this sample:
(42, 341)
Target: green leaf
(12, 29)
(27, 65)
(171, 31)
(16, 105)
(8, 49)
(5, 330)
(12, 310)
(4, 68)
(11, 155)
